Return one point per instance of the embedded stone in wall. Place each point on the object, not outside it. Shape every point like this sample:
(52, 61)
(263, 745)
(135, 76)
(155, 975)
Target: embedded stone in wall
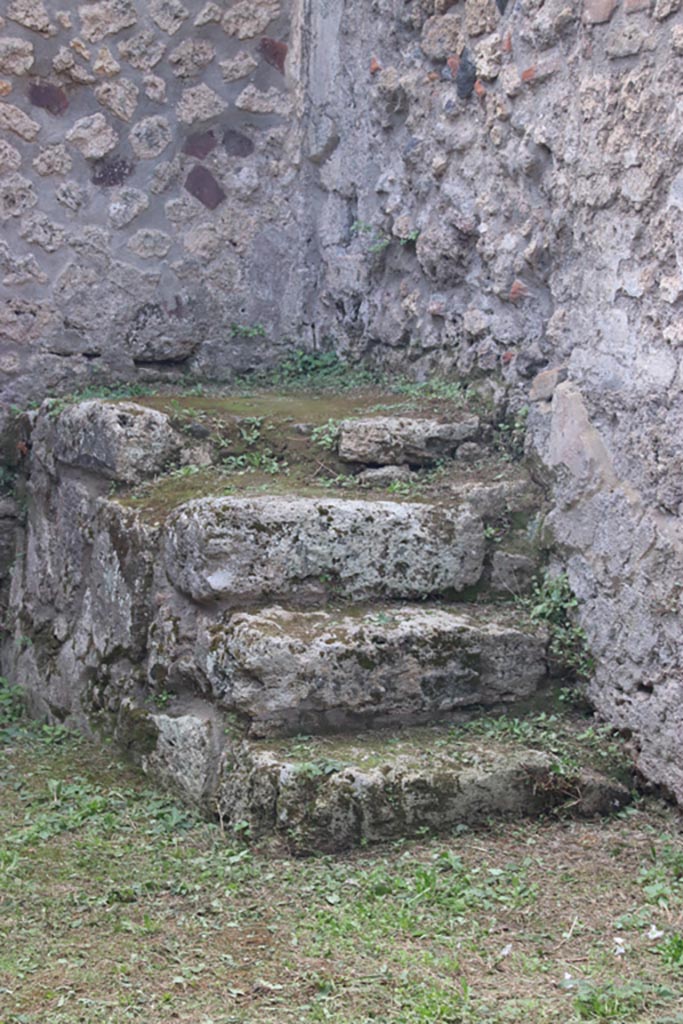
(40, 230)
(155, 88)
(200, 103)
(106, 18)
(65, 63)
(123, 442)
(209, 13)
(16, 56)
(23, 321)
(142, 51)
(13, 119)
(201, 184)
(48, 97)
(105, 64)
(625, 41)
(121, 97)
(191, 57)
(111, 171)
(166, 174)
(31, 14)
(237, 144)
(664, 8)
(238, 67)
(19, 270)
(10, 158)
(274, 53)
(270, 102)
(149, 244)
(168, 14)
(442, 36)
(597, 12)
(247, 20)
(93, 136)
(480, 16)
(150, 137)
(16, 196)
(200, 144)
(71, 195)
(126, 205)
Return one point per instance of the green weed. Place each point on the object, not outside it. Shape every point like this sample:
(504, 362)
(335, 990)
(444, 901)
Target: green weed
(553, 602)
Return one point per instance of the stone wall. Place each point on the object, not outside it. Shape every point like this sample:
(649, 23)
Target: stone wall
(491, 188)
(503, 196)
(150, 224)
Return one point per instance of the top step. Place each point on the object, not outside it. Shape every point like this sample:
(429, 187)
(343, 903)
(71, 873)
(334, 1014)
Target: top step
(264, 548)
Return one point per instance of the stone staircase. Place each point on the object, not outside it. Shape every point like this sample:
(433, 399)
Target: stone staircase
(292, 619)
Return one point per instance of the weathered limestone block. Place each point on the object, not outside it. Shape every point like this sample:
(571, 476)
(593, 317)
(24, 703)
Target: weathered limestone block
(312, 671)
(241, 549)
(121, 441)
(117, 605)
(384, 787)
(185, 754)
(16, 56)
(392, 441)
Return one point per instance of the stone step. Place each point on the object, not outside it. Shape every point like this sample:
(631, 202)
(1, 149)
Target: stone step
(332, 794)
(401, 440)
(244, 549)
(295, 671)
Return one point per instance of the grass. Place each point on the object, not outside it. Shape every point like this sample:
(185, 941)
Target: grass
(119, 905)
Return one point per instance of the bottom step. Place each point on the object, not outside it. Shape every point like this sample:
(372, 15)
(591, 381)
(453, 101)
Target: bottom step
(331, 794)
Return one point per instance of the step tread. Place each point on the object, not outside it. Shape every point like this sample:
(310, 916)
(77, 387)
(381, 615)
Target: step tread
(334, 792)
(247, 548)
(293, 671)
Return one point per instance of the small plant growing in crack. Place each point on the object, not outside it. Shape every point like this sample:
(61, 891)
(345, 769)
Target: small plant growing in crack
(553, 602)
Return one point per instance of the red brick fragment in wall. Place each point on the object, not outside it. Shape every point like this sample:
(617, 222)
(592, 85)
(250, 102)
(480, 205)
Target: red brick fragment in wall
(507, 357)
(518, 291)
(49, 97)
(529, 74)
(200, 144)
(375, 66)
(453, 65)
(274, 53)
(507, 42)
(597, 12)
(480, 89)
(201, 184)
